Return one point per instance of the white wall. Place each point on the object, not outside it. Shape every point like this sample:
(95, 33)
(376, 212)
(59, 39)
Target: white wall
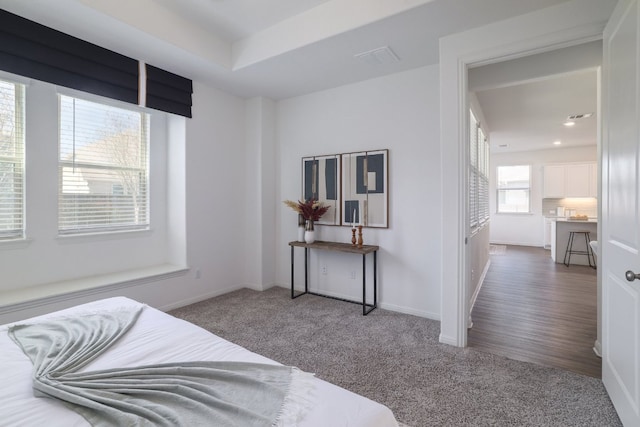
(398, 112)
(217, 210)
(260, 193)
(528, 229)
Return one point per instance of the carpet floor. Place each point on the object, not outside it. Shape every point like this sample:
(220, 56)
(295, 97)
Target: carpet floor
(396, 359)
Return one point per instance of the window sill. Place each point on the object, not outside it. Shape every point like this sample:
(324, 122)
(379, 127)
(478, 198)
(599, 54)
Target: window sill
(34, 296)
(15, 244)
(515, 213)
(109, 235)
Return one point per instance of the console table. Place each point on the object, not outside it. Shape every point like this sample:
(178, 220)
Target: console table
(338, 247)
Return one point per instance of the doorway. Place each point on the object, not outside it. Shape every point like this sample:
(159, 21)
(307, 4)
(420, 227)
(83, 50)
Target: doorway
(530, 308)
(457, 53)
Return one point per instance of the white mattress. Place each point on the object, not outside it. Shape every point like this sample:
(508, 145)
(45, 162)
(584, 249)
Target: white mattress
(159, 338)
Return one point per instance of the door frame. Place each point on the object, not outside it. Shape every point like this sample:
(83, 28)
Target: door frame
(549, 29)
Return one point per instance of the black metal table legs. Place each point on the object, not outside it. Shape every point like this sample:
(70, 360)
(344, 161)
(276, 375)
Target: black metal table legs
(366, 308)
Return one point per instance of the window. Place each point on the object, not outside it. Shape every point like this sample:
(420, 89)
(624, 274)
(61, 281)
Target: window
(103, 168)
(478, 174)
(513, 188)
(11, 160)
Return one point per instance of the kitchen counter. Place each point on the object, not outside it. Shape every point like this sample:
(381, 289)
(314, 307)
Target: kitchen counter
(576, 220)
(560, 228)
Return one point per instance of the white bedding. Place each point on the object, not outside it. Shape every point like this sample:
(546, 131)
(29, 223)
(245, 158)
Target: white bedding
(160, 338)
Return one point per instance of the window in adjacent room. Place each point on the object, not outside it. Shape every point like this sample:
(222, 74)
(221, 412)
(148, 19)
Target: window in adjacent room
(103, 168)
(513, 187)
(11, 160)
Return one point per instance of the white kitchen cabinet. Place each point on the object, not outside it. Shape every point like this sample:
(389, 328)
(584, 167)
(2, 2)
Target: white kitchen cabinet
(593, 180)
(577, 180)
(570, 180)
(554, 181)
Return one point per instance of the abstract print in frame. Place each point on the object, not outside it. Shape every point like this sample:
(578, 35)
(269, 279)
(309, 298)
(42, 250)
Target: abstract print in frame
(365, 188)
(321, 181)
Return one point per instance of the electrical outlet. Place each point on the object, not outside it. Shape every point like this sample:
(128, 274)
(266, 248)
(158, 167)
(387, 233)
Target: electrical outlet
(323, 270)
(353, 275)
(197, 273)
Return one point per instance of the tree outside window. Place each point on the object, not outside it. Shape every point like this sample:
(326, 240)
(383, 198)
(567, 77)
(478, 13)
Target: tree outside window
(103, 168)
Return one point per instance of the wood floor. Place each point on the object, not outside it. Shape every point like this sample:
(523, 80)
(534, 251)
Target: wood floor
(532, 309)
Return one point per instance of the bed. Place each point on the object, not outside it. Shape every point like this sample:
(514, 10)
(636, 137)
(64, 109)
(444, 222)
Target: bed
(158, 338)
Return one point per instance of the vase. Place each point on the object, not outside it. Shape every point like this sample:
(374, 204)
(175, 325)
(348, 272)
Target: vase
(310, 233)
(301, 228)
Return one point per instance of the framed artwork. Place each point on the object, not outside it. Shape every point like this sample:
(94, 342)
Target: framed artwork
(321, 181)
(365, 188)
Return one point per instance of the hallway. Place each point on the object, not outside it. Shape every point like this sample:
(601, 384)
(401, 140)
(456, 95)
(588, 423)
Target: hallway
(534, 310)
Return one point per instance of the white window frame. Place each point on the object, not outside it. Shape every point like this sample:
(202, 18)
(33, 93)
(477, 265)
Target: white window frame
(526, 188)
(143, 171)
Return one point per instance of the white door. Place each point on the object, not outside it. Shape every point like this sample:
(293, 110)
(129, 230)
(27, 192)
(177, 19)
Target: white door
(620, 237)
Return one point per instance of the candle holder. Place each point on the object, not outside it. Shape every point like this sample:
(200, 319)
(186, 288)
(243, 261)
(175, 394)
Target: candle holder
(353, 236)
(359, 236)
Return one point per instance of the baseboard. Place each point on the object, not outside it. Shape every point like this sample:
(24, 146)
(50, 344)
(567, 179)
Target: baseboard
(409, 310)
(193, 300)
(510, 243)
(382, 305)
(472, 302)
(448, 340)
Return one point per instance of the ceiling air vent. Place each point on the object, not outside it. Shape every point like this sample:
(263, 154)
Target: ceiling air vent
(580, 116)
(381, 55)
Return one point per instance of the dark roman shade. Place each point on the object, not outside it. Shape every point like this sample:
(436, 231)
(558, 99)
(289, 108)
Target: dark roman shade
(168, 92)
(33, 50)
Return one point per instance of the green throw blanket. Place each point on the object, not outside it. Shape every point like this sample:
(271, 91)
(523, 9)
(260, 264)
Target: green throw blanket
(171, 394)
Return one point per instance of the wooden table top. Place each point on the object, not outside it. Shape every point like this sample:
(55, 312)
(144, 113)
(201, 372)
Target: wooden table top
(336, 246)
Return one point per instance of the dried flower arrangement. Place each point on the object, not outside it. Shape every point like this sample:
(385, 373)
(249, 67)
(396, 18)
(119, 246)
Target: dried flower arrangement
(309, 209)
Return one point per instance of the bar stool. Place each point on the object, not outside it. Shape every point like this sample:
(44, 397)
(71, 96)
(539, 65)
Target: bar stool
(570, 251)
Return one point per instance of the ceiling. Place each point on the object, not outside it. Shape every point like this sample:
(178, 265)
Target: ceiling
(277, 48)
(233, 20)
(285, 48)
(531, 115)
(526, 101)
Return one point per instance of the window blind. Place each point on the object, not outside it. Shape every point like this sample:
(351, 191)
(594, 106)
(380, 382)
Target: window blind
(11, 160)
(473, 171)
(478, 174)
(483, 177)
(103, 168)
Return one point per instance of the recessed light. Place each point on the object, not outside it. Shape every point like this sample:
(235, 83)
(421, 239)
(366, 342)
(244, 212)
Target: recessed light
(569, 123)
(557, 142)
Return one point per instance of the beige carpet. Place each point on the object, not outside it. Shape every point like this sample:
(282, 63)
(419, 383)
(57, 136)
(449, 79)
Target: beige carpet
(396, 359)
